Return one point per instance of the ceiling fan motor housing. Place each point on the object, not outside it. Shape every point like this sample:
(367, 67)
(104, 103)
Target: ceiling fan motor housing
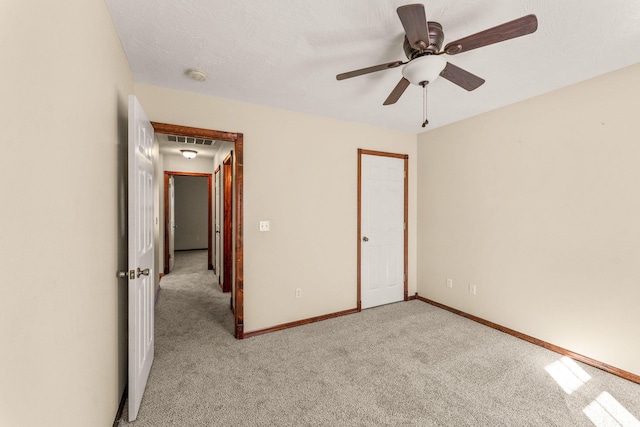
(436, 38)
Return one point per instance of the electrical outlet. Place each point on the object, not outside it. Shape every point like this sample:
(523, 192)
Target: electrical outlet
(298, 292)
(265, 226)
(449, 283)
(472, 288)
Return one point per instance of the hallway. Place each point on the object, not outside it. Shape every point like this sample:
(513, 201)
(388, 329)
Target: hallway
(190, 298)
(193, 318)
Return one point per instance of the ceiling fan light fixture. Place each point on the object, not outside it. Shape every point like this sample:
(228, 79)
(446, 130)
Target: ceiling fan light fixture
(189, 154)
(426, 68)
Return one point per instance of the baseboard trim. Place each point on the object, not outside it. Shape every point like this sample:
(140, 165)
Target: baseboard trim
(155, 300)
(412, 297)
(563, 351)
(299, 323)
(123, 399)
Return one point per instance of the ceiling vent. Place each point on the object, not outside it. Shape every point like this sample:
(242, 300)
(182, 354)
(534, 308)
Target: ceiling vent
(189, 140)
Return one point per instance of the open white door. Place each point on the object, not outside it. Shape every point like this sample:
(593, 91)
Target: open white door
(382, 229)
(140, 254)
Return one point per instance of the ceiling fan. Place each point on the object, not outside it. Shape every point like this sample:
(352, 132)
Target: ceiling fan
(422, 45)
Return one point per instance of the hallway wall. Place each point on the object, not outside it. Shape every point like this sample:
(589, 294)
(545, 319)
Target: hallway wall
(64, 86)
(301, 175)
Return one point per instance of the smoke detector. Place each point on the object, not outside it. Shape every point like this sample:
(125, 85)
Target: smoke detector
(196, 74)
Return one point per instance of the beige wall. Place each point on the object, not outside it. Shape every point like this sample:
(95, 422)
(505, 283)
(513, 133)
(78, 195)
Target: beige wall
(64, 86)
(537, 204)
(176, 163)
(300, 174)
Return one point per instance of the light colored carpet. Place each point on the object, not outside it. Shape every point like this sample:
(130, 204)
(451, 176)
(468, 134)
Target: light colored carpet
(404, 364)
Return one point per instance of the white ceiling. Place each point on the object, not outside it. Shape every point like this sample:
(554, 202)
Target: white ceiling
(286, 53)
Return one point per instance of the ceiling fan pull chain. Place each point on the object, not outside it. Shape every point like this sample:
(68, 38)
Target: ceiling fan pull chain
(425, 122)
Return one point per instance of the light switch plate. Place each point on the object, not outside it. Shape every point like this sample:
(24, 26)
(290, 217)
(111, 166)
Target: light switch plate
(264, 226)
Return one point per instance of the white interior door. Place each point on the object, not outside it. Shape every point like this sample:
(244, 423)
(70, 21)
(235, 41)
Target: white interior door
(382, 224)
(172, 222)
(141, 255)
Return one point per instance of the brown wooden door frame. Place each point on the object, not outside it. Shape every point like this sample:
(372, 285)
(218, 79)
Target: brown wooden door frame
(168, 174)
(238, 186)
(227, 222)
(216, 231)
(361, 152)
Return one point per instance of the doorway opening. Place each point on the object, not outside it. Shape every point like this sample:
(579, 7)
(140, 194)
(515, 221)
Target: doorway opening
(169, 226)
(237, 166)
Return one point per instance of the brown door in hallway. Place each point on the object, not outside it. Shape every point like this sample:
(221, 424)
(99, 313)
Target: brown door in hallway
(217, 250)
(227, 223)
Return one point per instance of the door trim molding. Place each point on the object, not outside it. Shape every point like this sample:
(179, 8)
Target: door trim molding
(405, 157)
(167, 174)
(300, 323)
(238, 168)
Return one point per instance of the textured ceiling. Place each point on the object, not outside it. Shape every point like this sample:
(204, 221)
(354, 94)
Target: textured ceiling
(286, 53)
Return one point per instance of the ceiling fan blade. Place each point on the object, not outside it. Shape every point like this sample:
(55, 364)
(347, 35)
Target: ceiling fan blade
(414, 21)
(462, 78)
(397, 92)
(368, 70)
(509, 30)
